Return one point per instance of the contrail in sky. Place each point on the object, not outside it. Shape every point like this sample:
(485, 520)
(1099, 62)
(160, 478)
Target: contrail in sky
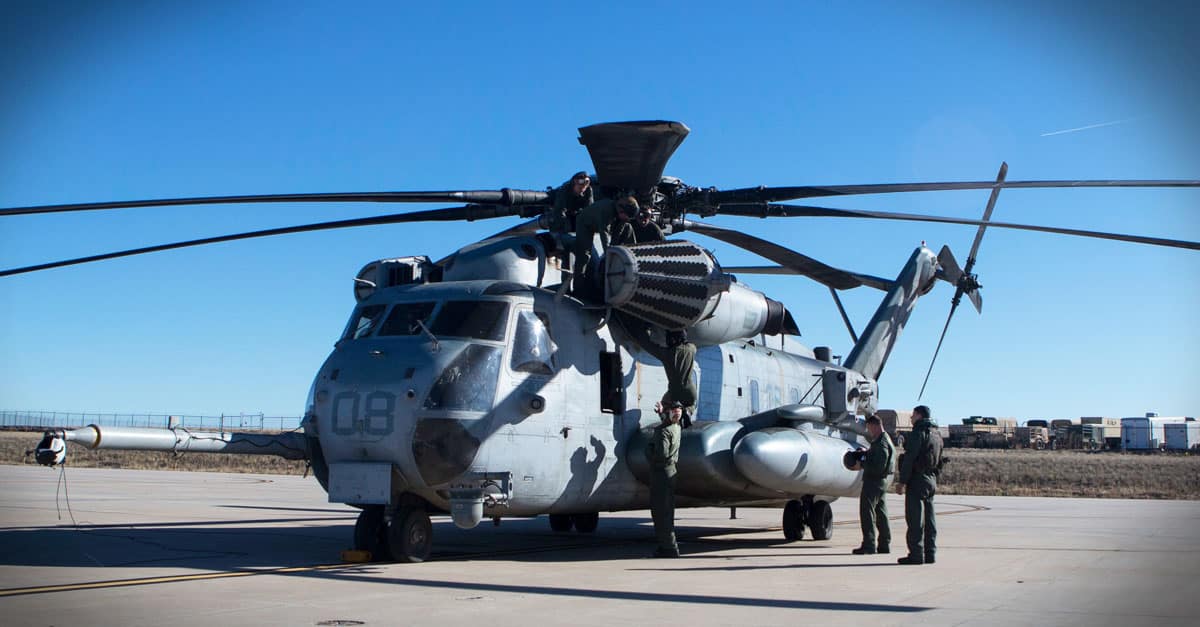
(1084, 128)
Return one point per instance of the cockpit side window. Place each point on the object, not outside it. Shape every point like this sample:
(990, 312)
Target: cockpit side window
(532, 348)
(480, 319)
(366, 320)
(404, 317)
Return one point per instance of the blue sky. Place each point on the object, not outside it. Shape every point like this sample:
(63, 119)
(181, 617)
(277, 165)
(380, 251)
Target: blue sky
(133, 100)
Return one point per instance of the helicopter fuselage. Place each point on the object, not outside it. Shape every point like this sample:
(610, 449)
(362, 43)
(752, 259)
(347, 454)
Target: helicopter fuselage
(436, 386)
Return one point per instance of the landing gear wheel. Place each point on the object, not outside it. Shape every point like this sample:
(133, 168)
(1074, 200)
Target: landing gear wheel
(561, 522)
(370, 532)
(820, 520)
(793, 520)
(410, 536)
(586, 523)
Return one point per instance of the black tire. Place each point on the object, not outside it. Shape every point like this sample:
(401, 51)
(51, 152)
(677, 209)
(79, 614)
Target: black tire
(370, 532)
(410, 536)
(793, 520)
(561, 523)
(820, 520)
(586, 523)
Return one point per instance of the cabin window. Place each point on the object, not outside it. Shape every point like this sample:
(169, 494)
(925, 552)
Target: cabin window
(794, 394)
(405, 317)
(612, 394)
(366, 320)
(532, 348)
(753, 396)
(484, 320)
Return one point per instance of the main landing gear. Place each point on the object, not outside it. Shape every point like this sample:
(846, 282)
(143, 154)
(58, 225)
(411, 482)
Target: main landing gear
(816, 515)
(407, 537)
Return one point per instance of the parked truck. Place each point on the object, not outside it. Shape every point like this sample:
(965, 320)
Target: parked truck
(982, 432)
(1100, 434)
(1034, 437)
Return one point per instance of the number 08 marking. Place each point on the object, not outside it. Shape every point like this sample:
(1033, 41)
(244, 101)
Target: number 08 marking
(378, 419)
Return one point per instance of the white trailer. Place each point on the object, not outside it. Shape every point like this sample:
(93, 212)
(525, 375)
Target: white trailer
(1182, 436)
(1145, 433)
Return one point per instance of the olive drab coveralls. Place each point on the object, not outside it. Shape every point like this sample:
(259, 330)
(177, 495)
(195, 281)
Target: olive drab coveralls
(622, 233)
(872, 506)
(567, 205)
(592, 221)
(678, 363)
(918, 473)
(651, 232)
(663, 453)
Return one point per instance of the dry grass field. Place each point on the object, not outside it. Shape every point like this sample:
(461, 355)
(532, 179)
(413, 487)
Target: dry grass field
(968, 471)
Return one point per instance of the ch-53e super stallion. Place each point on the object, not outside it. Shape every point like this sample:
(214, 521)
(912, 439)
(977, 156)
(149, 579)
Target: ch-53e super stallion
(480, 386)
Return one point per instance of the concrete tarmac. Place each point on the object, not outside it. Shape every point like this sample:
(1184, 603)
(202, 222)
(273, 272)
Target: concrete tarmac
(142, 548)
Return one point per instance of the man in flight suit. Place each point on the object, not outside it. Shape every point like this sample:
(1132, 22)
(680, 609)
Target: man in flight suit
(919, 468)
(595, 220)
(663, 453)
(645, 230)
(621, 231)
(872, 506)
(570, 198)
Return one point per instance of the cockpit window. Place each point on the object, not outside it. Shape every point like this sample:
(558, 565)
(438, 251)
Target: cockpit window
(532, 348)
(484, 320)
(404, 317)
(469, 382)
(365, 321)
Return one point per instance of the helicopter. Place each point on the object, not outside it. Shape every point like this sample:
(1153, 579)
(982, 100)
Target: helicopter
(486, 385)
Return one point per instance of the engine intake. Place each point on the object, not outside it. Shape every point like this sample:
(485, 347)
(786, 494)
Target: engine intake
(676, 284)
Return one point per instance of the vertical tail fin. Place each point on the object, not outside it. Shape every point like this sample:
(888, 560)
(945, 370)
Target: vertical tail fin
(873, 347)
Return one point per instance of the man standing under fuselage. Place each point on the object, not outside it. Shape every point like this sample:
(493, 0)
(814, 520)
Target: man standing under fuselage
(872, 502)
(663, 454)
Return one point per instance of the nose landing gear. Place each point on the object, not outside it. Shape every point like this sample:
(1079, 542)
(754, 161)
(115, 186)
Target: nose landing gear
(407, 537)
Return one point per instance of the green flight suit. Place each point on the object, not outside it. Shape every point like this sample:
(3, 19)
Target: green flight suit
(592, 221)
(663, 453)
(918, 473)
(872, 506)
(567, 205)
(649, 233)
(678, 363)
(622, 234)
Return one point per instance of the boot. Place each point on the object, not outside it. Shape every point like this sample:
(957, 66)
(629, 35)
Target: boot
(929, 558)
(661, 552)
(865, 549)
(883, 548)
(911, 560)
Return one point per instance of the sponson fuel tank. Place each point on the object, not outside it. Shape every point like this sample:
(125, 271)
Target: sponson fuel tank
(676, 284)
(755, 456)
(796, 462)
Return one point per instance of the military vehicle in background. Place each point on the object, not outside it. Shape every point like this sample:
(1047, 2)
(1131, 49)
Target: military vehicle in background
(1067, 432)
(983, 432)
(1034, 437)
(1099, 433)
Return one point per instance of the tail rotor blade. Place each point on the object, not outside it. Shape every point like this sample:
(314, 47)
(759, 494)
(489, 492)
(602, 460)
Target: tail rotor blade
(976, 299)
(950, 270)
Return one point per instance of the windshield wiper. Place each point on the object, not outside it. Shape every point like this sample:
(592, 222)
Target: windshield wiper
(429, 334)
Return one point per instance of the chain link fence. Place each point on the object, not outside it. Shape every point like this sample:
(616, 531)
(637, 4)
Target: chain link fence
(230, 422)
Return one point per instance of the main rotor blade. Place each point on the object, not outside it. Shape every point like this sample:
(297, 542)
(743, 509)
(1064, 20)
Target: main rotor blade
(802, 264)
(775, 194)
(987, 216)
(506, 197)
(468, 212)
(797, 211)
